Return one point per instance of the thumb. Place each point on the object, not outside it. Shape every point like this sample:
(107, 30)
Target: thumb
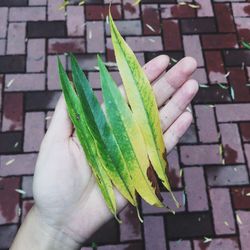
(61, 126)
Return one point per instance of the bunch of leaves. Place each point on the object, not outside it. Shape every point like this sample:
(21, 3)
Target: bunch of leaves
(124, 145)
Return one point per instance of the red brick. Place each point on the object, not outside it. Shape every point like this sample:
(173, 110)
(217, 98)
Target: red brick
(222, 211)
(130, 228)
(242, 26)
(95, 37)
(54, 13)
(231, 143)
(27, 14)
(176, 11)
(75, 21)
(206, 123)
(192, 47)
(53, 81)
(25, 82)
(205, 9)
(16, 38)
(154, 233)
(150, 16)
(244, 228)
(64, 45)
(9, 200)
(168, 201)
(219, 41)
(35, 55)
(241, 197)
(238, 81)
(130, 11)
(146, 43)
(171, 35)
(99, 12)
(245, 131)
(3, 21)
(12, 112)
(23, 164)
(233, 112)
(26, 206)
(200, 155)
(217, 244)
(215, 66)
(195, 189)
(241, 9)
(34, 125)
(224, 17)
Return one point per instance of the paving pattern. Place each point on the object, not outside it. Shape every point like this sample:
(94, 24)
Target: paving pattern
(210, 166)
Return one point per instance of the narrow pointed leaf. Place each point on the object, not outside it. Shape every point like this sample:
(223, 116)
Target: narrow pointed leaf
(129, 138)
(109, 150)
(142, 101)
(86, 139)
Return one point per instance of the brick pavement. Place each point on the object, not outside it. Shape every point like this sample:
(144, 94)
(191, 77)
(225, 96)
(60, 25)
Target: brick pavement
(214, 155)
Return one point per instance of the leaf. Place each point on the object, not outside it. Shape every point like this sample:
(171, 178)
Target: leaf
(108, 148)
(129, 138)
(245, 45)
(142, 101)
(86, 139)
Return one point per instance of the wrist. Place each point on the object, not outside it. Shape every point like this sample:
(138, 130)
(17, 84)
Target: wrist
(36, 233)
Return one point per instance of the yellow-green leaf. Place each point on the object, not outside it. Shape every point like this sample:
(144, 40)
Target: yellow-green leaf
(129, 139)
(86, 139)
(108, 148)
(142, 101)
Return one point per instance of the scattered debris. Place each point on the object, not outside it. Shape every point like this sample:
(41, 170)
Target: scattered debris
(191, 5)
(151, 40)
(48, 118)
(16, 144)
(227, 74)
(63, 5)
(232, 93)
(10, 83)
(238, 219)
(9, 162)
(203, 86)
(245, 44)
(82, 2)
(248, 194)
(90, 34)
(206, 240)
(211, 106)
(136, 2)
(226, 223)
(181, 172)
(150, 27)
(222, 85)
(20, 191)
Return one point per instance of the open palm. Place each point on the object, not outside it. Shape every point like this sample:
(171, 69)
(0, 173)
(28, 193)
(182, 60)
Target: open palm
(65, 192)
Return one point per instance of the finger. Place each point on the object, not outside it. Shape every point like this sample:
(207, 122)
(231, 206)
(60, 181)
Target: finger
(178, 103)
(154, 68)
(166, 86)
(61, 126)
(177, 130)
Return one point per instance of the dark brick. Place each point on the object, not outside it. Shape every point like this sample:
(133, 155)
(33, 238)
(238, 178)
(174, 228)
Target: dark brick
(212, 94)
(10, 3)
(224, 17)
(184, 225)
(241, 197)
(245, 131)
(171, 35)
(99, 12)
(8, 141)
(198, 25)
(237, 57)
(7, 234)
(108, 233)
(41, 100)
(11, 64)
(238, 80)
(46, 29)
(219, 41)
(173, 54)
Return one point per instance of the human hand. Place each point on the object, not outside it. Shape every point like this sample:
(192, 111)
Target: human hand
(66, 195)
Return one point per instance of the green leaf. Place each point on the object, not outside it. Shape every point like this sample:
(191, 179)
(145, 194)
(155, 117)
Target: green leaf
(129, 139)
(246, 45)
(86, 139)
(142, 101)
(108, 148)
